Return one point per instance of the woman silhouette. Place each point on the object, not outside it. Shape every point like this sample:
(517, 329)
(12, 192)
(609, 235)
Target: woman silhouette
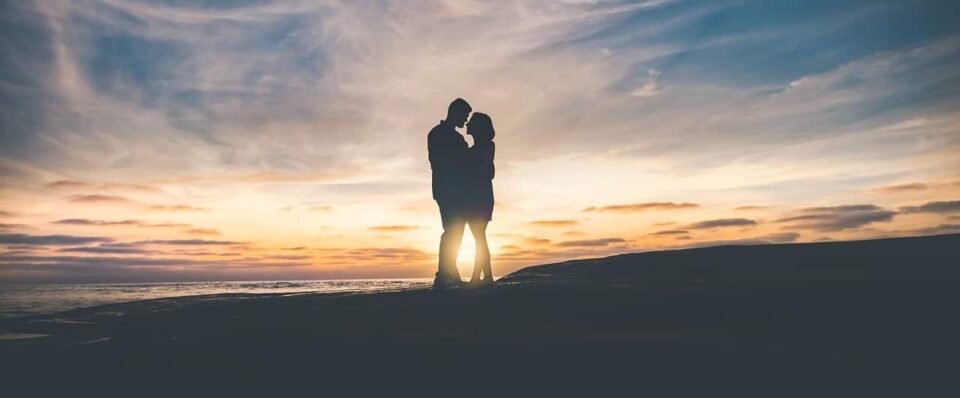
(478, 204)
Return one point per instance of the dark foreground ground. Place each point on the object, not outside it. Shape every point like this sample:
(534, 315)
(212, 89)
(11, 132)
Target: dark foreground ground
(825, 319)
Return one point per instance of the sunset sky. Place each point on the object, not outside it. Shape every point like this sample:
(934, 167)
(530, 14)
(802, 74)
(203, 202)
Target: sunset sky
(197, 140)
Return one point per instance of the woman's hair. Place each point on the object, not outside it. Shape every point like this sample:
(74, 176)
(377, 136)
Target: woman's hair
(482, 126)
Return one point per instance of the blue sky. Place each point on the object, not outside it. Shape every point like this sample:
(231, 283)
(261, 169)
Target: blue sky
(301, 124)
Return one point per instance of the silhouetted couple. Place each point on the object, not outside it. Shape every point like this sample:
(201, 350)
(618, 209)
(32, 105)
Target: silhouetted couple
(463, 189)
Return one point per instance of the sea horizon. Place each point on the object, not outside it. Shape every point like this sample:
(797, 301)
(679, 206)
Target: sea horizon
(18, 300)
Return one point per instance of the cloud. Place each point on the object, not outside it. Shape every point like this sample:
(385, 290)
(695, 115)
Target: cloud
(591, 242)
(723, 222)
(191, 242)
(749, 208)
(186, 208)
(287, 257)
(166, 225)
(14, 226)
(70, 184)
(4, 213)
(648, 206)
(91, 261)
(202, 231)
(915, 187)
(781, 237)
(670, 232)
(901, 188)
(553, 223)
(84, 221)
(317, 208)
(573, 233)
(525, 240)
(838, 218)
(262, 177)
(138, 223)
(87, 264)
(377, 255)
(51, 240)
(106, 249)
(934, 207)
(96, 198)
(784, 237)
(534, 241)
(939, 229)
(394, 228)
(650, 87)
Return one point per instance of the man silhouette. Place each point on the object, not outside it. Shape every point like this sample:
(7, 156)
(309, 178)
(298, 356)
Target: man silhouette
(447, 151)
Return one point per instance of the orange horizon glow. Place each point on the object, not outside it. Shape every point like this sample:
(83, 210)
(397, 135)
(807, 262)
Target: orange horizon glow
(283, 140)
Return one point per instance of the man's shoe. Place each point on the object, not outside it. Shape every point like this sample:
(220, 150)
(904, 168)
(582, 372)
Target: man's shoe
(446, 283)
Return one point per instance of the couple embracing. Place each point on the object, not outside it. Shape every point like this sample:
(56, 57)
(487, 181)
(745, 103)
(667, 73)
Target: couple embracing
(463, 189)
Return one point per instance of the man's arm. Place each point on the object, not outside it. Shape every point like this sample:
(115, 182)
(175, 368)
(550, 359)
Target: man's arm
(445, 151)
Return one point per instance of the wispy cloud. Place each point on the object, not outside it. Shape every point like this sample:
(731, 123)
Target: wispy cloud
(898, 188)
(202, 231)
(650, 87)
(97, 198)
(69, 184)
(186, 228)
(394, 228)
(638, 207)
(722, 222)
(14, 226)
(784, 237)
(670, 232)
(84, 221)
(939, 229)
(838, 218)
(186, 208)
(553, 223)
(50, 240)
(534, 241)
(105, 250)
(591, 242)
(191, 242)
(939, 207)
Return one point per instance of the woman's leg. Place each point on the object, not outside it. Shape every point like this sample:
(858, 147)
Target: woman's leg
(481, 260)
(487, 267)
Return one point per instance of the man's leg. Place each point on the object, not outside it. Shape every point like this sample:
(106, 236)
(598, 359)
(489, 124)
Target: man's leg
(453, 225)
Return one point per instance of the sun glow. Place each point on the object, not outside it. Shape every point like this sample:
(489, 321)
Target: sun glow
(209, 146)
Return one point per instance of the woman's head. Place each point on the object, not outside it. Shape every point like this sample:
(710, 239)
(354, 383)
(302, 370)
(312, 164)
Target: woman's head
(481, 127)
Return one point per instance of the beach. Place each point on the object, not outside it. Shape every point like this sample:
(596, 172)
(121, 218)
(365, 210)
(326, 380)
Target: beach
(836, 312)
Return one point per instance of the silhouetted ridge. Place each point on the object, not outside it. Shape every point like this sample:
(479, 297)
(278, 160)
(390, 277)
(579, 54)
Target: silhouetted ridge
(926, 258)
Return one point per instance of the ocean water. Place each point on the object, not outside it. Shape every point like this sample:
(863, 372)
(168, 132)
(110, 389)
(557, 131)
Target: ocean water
(19, 300)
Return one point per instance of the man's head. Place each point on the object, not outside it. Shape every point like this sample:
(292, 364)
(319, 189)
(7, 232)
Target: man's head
(458, 112)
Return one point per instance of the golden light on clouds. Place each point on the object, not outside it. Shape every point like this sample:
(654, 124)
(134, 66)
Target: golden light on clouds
(291, 143)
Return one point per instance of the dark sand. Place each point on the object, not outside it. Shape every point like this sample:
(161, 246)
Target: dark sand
(834, 319)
